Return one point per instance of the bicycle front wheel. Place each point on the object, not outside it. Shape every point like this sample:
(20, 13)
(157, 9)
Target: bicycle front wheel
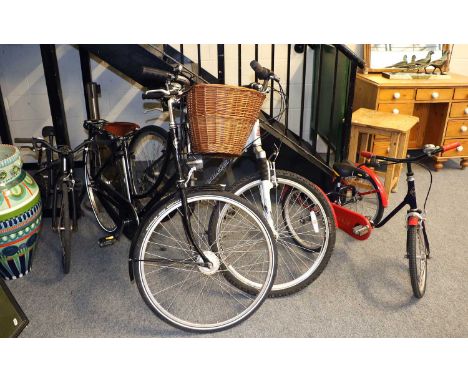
(305, 225)
(65, 229)
(418, 253)
(171, 275)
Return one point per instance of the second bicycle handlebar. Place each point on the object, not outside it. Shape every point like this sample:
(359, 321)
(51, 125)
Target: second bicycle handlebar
(64, 150)
(428, 151)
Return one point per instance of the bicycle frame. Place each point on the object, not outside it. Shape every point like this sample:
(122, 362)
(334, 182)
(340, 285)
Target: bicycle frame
(59, 171)
(410, 199)
(414, 216)
(120, 206)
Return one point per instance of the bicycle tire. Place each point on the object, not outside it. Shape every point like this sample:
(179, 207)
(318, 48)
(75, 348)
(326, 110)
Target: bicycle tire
(65, 229)
(365, 204)
(299, 263)
(149, 145)
(103, 218)
(162, 238)
(417, 257)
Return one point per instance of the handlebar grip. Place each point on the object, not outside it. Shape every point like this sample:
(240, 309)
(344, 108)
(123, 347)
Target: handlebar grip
(154, 96)
(367, 154)
(262, 73)
(157, 77)
(24, 140)
(451, 146)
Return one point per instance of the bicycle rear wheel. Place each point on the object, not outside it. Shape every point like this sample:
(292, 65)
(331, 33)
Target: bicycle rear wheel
(170, 274)
(149, 158)
(92, 165)
(65, 228)
(365, 198)
(418, 252)
(305, 224)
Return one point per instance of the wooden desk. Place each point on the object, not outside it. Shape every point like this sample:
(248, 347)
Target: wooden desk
(366, 124)
(440, 104)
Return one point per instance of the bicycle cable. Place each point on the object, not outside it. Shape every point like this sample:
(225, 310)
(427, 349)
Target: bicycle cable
(430, 182)
(430, 178)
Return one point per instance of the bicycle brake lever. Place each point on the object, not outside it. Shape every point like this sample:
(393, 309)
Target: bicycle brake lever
(146, 111)
(373, 163)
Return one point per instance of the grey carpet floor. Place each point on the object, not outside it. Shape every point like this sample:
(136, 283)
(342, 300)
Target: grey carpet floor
(365, 290)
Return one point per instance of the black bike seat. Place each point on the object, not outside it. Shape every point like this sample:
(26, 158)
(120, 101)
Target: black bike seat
(346, 169)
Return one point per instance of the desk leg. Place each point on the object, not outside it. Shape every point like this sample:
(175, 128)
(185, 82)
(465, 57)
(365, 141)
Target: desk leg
(439, 163)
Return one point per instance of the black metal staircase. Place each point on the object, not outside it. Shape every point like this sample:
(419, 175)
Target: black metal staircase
(334, 72)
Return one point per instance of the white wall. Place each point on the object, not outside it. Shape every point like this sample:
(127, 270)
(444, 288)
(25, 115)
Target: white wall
(25, 94)
(459, 61)
(24, 89)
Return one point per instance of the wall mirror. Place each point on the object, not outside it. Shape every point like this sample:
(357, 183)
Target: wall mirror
(381, 57)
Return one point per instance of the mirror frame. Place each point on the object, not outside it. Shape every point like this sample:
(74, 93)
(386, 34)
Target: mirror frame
(368, 58)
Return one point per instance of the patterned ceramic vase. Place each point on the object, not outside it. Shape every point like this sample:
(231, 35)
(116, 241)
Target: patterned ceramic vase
(20, 215)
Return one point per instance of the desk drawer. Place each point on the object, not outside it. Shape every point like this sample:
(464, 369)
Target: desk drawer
(434, 95)
(396, 94)
(457, 128)
(397, 108)
(461, 93)
(461, 151)
(459, 109)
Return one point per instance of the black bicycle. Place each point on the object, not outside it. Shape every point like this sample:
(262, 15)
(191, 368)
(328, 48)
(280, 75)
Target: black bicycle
(125, 174)
(187, 240)
(417, 243)
(60, 190)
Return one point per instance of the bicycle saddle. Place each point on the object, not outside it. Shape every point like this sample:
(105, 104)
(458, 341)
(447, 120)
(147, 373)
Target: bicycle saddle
(349, 169)
(120, 129)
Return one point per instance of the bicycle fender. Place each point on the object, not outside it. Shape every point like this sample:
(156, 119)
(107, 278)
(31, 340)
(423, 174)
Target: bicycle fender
(413, 221)
(379, 184)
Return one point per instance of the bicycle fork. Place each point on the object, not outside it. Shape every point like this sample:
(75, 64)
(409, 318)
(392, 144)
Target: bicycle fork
(267, 175)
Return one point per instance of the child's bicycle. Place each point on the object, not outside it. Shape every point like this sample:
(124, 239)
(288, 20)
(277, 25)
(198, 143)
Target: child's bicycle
(358, 184)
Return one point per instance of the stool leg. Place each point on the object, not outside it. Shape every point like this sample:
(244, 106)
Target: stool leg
(389, 175)
(353, 144)
(402, 150)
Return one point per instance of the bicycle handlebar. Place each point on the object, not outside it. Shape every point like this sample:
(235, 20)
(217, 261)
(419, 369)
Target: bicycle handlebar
(153, 94)
(24, 140)
(163, 78)
(451, 146)
(429, 150)
(64, 150)
(261, 72)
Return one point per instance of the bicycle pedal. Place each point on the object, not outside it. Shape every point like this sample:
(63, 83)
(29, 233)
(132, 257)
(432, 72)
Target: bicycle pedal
(107, 240)
(360, 230)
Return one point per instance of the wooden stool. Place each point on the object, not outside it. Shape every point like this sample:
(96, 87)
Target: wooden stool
(366, 124)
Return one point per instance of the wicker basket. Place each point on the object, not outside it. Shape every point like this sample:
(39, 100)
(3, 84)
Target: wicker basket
(221, 117)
